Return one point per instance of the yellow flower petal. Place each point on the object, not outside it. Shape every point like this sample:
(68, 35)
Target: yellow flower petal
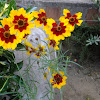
(28, 53)
(31, 25)
(65, 11)
(54, 85)
(29, 16)
(65, 21)
(12, 30)
(61, 72)
(64, 77)
(35, 14)
(22, 11)
(79, 15)
(59, 86)
(79, 22)
(43, 46)
(50, 22)
(27, 43)
(5, 21)
(49, 69)
(42, 10)
(70, 27)
(13, 13)
(46, 39)
(46, 28)
(37, 23)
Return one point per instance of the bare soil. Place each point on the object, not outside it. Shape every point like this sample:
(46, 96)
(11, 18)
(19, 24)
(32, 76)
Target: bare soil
(83, 83)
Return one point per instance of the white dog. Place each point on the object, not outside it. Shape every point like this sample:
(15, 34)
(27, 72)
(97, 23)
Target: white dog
(34, 70)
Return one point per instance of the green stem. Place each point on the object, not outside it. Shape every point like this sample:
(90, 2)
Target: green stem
(4, 85)
(23, 80)
(51, 94)
(61, 93)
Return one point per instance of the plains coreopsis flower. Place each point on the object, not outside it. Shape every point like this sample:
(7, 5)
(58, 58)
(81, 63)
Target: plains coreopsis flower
(30, 49)
(38, 54)
(41, 18)
(40, 50)
(7, 40)
(53, 43)
(21, 22)
(58, 80)
(45, 75)
(72, 19)
(57, 31)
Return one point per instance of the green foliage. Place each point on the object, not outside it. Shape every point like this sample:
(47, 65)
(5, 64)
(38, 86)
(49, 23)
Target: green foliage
(31, 9)
(12, 5)
(77, 42)
(4, 11)
(2, 4)
(93, 39)
(97, 2)
(20, 46)
(9, 81)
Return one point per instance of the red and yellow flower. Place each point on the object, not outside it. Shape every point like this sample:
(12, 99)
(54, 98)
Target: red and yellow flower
(37, 54)
(30, 49)
(72, 19)
(40, 48)
(45, 75)
(41, 19)
(40, 51)
(53, 43)
(57, 32)
(58, 80)
(7, 40)
(21, 22)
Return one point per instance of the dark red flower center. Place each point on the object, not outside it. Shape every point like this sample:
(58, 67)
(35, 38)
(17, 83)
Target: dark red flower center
(6, 34)
(58, 78)
(59, 28)
(38, 54)
(40, 49)
(33, 50)
(44, 18)
(20, 23)
(72, 19)
(25, 35)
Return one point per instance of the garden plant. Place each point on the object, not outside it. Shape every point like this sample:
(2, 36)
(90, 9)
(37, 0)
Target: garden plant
(15, 27)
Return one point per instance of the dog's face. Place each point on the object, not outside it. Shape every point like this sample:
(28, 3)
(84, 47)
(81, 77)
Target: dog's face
(36, 37)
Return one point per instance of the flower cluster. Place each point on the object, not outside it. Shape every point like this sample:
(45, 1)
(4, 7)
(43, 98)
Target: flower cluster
(18, 25)
(14, 28)
(57, 31)
(38, 52)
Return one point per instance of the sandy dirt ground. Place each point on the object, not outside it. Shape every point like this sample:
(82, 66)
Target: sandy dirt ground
(83, 83)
